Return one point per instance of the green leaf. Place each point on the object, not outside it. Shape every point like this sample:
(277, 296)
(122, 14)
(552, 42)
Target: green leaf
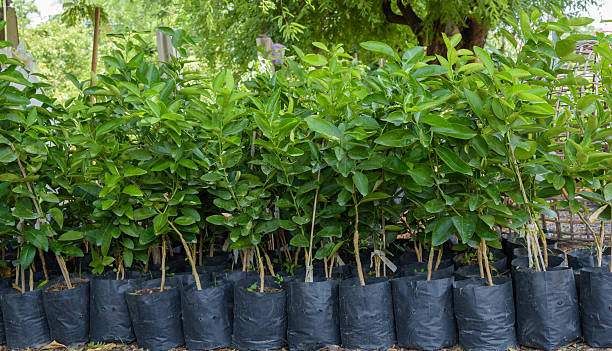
(128, 258)
(315, 60)
(299, 240)
(57, 215)
(72, 251)
(565, 47)
(132, 190)
(435, 206)
(188, 163)
(160, 222)
(466, 226)
(452, 160)
(374, 196)
(396, 138)
(184, 220)
(325, 251)
(429, 71)
(441, 231)
(71, 235)
(361, 182)
(108, 126)
(23, 209)
(323, 127)
(330, 231)
(485, 58)
(7, 155)
(608, 192)
(381, 48)
(444, 127)
(300, 220)
(27, 255)
(37, 238)
(143, 213)
(131, 171)
(108, 203)
(216, 220)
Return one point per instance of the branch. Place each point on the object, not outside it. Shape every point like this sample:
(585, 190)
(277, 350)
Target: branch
(411, 18)
(390, 15)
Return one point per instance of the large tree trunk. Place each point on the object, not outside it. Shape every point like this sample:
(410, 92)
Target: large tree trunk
(474, 31)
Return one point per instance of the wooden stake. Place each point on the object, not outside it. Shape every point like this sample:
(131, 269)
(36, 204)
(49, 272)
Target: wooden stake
(356, 244)
(44, 263)
(486, 262)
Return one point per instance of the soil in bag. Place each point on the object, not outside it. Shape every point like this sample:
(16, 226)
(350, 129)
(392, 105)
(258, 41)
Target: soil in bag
(577, 259)
(596, 306)
(547, 310)
(424, 315)
(260, 319)
(109, 318)
(156, 315)
(25, 323)
(366, 314)
(208, 315)
(312, 314)
(419, 269)
(67, 312)
(484, 314)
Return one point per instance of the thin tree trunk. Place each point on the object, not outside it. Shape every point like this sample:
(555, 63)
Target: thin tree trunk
(44, 263)
(486, 262)
(163, 263)
(194, 271)
(94, 52)
(430, 262)
(261, 270)
(268, 261)
(31, 279)
(356, 244)
(480, 266)
(64, 270)
(146, 268)
(439, 258)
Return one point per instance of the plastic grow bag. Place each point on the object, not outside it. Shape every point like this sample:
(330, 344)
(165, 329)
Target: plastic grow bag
(596, 306)
(419, 269)
(156, 317)
(546, 307)
(109, 316)
(25, 323)
(260, 320)
(582, 258)
(233, 276)
(523, 262)
(366, 314)
(67, 314)
(312, 314)
(208, 315)
(522, 252)
(424, 315)
(484, 314)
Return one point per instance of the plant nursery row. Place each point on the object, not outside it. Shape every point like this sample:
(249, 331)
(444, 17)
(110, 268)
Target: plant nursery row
(330, 202)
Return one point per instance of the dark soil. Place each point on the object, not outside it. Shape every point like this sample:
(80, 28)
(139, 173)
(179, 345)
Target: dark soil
(148, 291)
(63, 286)
(266, 289)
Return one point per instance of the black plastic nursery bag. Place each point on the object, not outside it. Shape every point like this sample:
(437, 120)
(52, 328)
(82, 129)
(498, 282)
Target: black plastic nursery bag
(208, 315)
(546, 307)
(109, 316)
(366, 314)
(156, 317)
(424, 317)
(596, 306)
(484, 314)
(312, 314)
(68, 314)
(24, 319)
(260, 319)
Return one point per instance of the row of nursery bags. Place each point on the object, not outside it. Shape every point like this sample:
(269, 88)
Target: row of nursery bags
(534, 309)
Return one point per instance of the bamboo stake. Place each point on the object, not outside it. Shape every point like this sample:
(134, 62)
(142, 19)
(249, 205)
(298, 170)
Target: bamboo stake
(268, 261)
(31, 279)
(312, 225)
